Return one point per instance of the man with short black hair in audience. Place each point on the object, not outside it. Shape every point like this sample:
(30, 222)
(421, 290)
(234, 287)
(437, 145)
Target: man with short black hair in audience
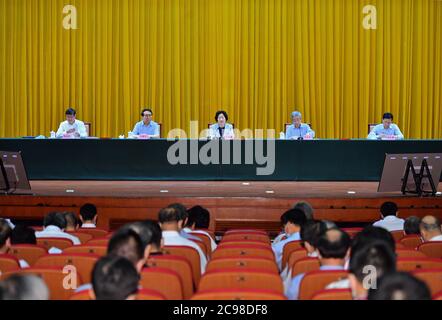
(72, 222)
(5, 241)
(389, 220)
(412, 225)
(114, 278)
(54, 225)
(199, 218)
(88, 216)
(305, 207)
(23, 287)
(400, 286)
(184, 216)
(292, 221)
(430, 229)
(171, 223)
(332, 249)
(23, 235)
(368, 262)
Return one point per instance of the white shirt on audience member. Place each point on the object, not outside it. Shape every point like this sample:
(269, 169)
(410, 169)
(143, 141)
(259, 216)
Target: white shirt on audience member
(436, 238)
(88, 226)
(278, 248)
(391, 223)
(23, 263)
(173, 238)
(56, 232)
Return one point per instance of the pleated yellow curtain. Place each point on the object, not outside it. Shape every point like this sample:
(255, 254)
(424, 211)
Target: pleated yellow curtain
(257, 59)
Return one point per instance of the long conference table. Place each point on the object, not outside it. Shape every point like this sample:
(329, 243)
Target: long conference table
(127, 159)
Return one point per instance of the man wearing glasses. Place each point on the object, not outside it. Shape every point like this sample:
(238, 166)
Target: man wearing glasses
(146, 128)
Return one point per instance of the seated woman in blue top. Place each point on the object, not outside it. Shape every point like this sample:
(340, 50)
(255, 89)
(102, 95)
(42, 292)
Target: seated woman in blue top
(387, 130)
(299, 130)
(221, 129)
(146, 128)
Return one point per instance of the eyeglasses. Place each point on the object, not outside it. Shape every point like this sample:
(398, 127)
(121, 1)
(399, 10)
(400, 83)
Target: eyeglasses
(147, 115)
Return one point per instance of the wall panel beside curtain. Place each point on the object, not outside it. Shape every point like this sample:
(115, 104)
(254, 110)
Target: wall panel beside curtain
(257, 59)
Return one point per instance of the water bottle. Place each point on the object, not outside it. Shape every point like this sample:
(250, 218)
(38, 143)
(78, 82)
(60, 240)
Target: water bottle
(282, 135)
(130, 135)
(52, 135)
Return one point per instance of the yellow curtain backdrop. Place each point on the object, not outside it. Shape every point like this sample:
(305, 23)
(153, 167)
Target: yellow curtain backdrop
(257, 59)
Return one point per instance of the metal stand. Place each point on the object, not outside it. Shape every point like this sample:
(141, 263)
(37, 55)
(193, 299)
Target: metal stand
(418, 178)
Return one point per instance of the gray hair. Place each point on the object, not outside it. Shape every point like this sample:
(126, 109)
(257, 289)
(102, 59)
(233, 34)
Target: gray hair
(296, 114)
(23, 287)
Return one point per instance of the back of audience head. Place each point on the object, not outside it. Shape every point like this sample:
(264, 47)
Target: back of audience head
(198, 218)
(293, 220)
(23, 287)
(126, 243)
(333, 244)
(310, 234)
(150, 235)
(170, 219)
(5, 235)
(72, 222)
(182, 212)
(399, 286)
(114, 278)
(23, 235)
(388, 209)
(55, 219)
(305, 207)
(371, 234)
(430, 227)
(367, 263)
(411, 225)
(88, 213)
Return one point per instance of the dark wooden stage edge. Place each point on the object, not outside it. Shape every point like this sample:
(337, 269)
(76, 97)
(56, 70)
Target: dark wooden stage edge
(231, 204)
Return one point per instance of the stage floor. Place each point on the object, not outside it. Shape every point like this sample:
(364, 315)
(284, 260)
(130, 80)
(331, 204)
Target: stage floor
(210, 189)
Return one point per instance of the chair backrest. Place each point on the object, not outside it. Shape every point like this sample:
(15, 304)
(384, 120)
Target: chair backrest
(192, 255)
(409, 253)
(317, 280)
(246, 236)
(98, 241)
(60, 243)
(207, 242)
(397, 234)
(95, 232)
(289, 247)
(241, 278)
(202, 246)
(295, 256)
(82, 295)
(411, 264)
(411, 241)
(8, 263)
(82, 236)
(165, 281)
(304, 265)
(88, 126)
(238, 294)
(333, 294)
(178, 264)
(352, 231)
(28, 252)
(55, 279)
(246, 250)
(371, 126)
(432, 277)
(245, 231)
(87, 249)
(438, 296)
(148, 294)
(83, 262)
(160, 127)
(266, 264)
(210, 232)
(431, 249)
(244, 242)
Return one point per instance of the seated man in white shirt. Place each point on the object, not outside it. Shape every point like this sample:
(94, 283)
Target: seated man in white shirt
(71, 128)
(54, 225)
(333, 248)
(387, 130)
(292, 221)
(299, 130)
(199, 218)
(88, 216)
(431, 229)
(171, 224)
(114, 278)
(389, 220)
(368, 262)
